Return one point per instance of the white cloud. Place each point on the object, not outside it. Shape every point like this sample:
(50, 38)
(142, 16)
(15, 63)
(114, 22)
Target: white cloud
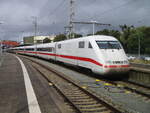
(16, 14)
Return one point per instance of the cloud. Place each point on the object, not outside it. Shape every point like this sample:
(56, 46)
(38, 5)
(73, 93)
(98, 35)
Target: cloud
(53, 15)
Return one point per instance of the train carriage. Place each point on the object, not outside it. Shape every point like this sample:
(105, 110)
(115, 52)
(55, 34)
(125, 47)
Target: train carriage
(46, 51)
(29, 50)
(102, 54)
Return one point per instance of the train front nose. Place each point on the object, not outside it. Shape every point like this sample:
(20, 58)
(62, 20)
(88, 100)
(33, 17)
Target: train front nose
(116, 67)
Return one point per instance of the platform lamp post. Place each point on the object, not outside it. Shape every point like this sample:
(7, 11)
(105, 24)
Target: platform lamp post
(93, 22)
(139, 35)
(35, 31)
(1, 43)
(21, 36)
(139, 45)
(1, 52)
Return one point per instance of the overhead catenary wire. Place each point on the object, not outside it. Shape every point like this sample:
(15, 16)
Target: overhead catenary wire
(112, 9)
(99, 16)
(135, 20)
(87, 14)
(115, 8)
(107, 11)
(56, 8)
(52, 13)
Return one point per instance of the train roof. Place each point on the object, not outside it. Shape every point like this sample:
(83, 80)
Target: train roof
(45, 44)
(89, 38)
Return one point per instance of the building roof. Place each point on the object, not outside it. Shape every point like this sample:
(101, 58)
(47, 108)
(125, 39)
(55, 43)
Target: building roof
(10, 43)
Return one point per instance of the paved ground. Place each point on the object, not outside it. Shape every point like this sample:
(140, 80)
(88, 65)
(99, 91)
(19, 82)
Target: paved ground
(13, 94)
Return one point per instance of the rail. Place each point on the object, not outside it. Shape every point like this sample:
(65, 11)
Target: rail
(128, 86)
(82, 99)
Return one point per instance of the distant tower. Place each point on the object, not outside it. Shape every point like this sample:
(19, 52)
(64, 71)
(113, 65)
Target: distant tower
(72, 14)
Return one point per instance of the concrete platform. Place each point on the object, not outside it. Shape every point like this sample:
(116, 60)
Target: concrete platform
(13, 90)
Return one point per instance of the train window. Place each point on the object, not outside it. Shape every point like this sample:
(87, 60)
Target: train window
(39, 49)
(81, 44)
(50, 49)
(108, 44)
(90, 46)
(59, 46)
(44, 49)
(29, 49)
(21, 49)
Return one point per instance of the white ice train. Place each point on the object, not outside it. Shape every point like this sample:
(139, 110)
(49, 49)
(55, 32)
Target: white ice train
(102, 54)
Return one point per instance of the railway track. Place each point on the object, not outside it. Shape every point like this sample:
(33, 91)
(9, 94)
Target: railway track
(79, 97)
(80, 101)
(139, 89)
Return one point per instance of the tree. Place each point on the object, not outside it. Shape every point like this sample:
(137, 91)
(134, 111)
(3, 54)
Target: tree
(132, 42)
(143, 34)
(89, 34)
(129, 36)
(46, 40)
(60, 37)
(103, 32)
(75, 35)
(126, 32)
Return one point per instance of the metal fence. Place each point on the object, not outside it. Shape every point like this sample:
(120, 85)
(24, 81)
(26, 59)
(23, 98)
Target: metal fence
(140, 76)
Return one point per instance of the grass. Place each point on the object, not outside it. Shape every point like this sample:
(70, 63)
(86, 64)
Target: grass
(140, 61)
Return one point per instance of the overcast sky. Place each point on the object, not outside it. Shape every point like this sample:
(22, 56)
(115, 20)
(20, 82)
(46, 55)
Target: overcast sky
(17, 19)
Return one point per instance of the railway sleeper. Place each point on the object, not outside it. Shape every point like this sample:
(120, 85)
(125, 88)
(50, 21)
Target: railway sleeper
(71, 93)
(87, 103)
(79, 97)
(83, 100)
(96, 110)
(91, 106)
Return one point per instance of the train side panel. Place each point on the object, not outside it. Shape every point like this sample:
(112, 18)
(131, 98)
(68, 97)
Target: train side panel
(46, 51)
(86, 51)
(66, 52)
(79, 52)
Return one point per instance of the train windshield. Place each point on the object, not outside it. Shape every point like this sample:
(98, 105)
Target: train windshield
(108, 44)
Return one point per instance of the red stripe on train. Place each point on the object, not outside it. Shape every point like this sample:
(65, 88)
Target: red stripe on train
(116, 66)
(76, 58)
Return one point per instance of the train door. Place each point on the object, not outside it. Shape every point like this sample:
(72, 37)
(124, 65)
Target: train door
(85, 54)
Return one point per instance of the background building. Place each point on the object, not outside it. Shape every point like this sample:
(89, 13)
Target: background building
(8, 43)
(37, 39)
